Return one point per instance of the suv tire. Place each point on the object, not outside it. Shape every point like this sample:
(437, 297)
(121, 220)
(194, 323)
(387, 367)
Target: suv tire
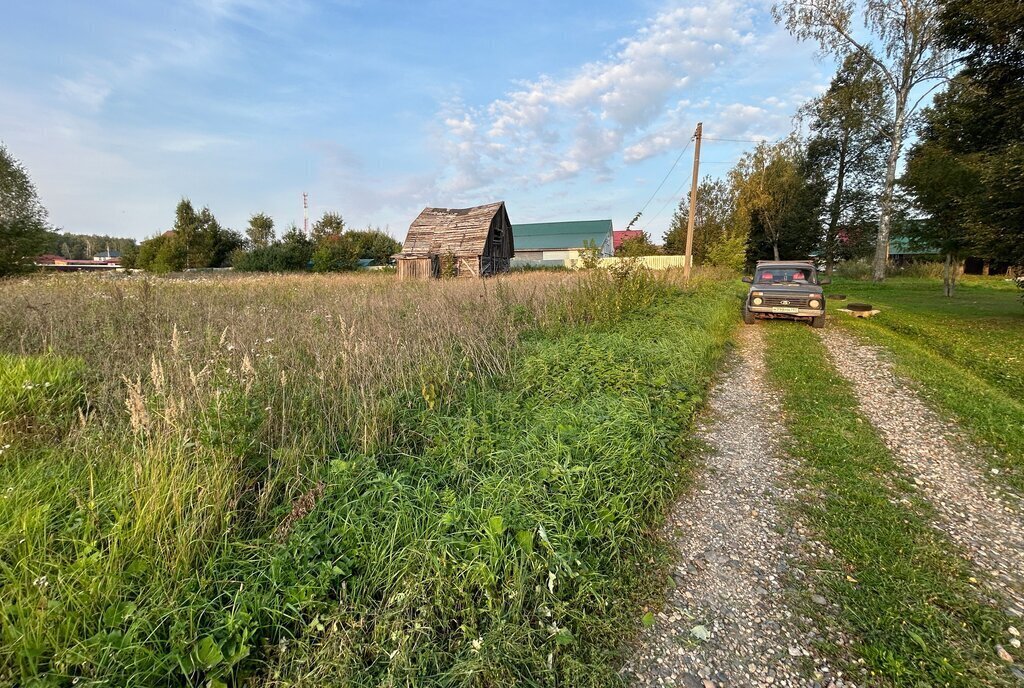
(748, 317)
(818, 321)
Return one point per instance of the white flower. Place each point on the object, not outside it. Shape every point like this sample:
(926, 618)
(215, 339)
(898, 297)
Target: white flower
(477, 644)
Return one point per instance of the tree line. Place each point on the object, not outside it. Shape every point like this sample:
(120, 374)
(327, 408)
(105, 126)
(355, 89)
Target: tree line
(833, 190)
(196, 240)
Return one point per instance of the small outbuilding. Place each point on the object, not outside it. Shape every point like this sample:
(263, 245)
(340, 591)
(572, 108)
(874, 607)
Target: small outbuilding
(457, 242)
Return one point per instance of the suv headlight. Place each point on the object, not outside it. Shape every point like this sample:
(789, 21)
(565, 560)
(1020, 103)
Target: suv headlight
(814, 303)
(757, 301)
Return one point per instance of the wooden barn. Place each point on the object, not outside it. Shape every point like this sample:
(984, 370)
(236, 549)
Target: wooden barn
(457, 242)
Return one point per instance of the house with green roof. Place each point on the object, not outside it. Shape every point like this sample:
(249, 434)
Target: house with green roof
(559, 241)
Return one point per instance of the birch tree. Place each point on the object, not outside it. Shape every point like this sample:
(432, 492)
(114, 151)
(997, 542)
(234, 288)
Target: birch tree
(905, 47)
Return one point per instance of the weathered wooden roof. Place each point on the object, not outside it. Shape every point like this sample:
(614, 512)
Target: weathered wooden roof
(459, 231)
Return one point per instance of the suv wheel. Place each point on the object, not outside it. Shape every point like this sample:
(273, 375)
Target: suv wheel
(748, 317)
(818, 321)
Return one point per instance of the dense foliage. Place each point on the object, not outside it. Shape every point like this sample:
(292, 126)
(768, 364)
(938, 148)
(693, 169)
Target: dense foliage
(902, 45)
(846, 152)
(329, 248)
(24, 232)
(196, 241)
(779, 200)
(719, 234)
(967, 170)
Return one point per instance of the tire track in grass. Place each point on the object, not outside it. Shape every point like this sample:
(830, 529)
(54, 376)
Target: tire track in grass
(944, 465)
(727, 622)
(897, 584)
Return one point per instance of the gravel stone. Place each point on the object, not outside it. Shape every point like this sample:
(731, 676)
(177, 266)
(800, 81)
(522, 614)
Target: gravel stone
(979, 516)
(729, 533)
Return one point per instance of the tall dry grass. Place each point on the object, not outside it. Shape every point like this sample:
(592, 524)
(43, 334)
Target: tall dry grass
(336, 476)
(352, 338)
(205, 409)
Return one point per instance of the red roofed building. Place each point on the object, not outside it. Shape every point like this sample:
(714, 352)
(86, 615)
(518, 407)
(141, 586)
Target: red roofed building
(620, 235)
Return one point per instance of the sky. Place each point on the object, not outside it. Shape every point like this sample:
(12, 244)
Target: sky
(564, 110)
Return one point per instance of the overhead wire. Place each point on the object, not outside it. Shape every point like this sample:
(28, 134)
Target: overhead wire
(667, 175)
(665, 205)
(676, 163)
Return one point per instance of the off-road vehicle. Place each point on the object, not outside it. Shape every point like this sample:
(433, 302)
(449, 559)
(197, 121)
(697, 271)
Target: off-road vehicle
(785, 289)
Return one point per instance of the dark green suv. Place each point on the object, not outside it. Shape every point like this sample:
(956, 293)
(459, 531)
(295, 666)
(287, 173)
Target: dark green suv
(785, 289)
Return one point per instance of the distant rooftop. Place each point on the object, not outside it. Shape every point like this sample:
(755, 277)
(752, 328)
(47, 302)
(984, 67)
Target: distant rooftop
(620, 235)
(561, 235)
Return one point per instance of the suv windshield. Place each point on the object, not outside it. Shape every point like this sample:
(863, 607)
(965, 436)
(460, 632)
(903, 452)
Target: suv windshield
(777, 275)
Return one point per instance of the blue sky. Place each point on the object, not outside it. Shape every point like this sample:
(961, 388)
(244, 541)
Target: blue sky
(564, 110)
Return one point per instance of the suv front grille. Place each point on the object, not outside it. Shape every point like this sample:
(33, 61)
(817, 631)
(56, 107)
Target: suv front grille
(791, 301)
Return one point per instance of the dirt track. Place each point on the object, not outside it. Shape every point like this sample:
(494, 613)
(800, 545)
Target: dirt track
(728, 622)
(987, 524)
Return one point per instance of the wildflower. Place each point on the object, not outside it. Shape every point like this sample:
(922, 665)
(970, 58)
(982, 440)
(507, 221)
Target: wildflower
(41, 582)
(477, 644)
(269, 339)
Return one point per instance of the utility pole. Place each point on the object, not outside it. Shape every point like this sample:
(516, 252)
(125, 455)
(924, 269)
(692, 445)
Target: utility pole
(305, 214)
(693, 205)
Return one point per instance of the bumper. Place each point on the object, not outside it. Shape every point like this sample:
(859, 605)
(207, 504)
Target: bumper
(777, 312)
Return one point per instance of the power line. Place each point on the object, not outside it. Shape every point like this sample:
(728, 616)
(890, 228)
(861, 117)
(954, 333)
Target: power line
(665, 178)
(670, 199)
(715, 138)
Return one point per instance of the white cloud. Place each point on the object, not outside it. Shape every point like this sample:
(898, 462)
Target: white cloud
(552, 128)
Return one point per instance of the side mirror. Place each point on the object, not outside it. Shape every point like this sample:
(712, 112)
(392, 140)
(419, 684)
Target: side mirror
(748, 279)
(824, 280)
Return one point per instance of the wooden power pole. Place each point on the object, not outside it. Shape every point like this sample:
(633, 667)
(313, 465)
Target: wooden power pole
(693, 205)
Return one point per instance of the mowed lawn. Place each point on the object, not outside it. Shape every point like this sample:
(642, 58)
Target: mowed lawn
(964, 352)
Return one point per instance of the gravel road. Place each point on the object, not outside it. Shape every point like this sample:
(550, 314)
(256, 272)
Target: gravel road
(987, 523)
(727, 621)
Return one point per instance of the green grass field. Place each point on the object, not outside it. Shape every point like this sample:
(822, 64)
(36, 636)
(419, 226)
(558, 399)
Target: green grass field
(904, 592)
(341, 480)
(965, 353)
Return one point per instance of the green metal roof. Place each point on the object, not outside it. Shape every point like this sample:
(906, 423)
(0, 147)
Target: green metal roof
(561, 235)
(902, 246)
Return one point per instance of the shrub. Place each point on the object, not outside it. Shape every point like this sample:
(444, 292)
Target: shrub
(729, 253)
(336, 253)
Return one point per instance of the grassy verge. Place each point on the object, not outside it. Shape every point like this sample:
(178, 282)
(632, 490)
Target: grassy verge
(498, 528)
(964, 353)
(903, 592)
